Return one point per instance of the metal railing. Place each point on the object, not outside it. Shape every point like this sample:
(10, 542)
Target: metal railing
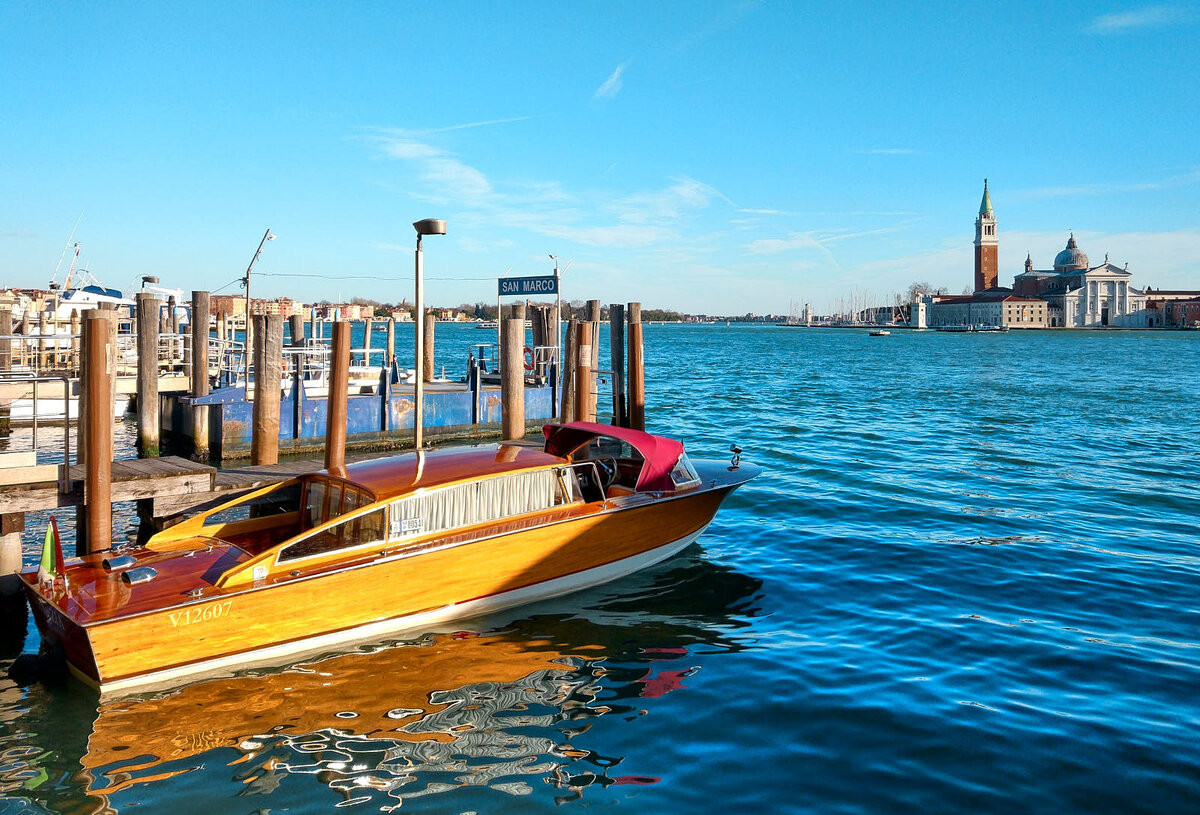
(22, 377)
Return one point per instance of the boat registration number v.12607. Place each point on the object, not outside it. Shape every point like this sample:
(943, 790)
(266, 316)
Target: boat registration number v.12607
(200, 614)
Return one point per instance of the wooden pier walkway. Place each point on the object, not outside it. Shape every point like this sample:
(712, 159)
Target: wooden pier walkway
(132, 480)
(175, 485)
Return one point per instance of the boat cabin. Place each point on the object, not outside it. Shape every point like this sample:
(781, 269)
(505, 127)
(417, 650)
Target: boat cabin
(388, 506)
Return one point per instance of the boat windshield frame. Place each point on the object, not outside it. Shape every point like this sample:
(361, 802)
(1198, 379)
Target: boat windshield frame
(661, 455)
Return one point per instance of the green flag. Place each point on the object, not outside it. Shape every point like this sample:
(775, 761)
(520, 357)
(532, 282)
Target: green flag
(46, 569)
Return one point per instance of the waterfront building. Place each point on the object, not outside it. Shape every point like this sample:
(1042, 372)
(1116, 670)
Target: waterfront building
(1172, 309)
(228, 304)
(1084, 296)
(1183, 313)
(1072, 294)
(998, 307)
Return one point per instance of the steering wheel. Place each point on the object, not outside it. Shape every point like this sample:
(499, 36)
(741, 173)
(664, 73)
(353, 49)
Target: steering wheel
(608, 471)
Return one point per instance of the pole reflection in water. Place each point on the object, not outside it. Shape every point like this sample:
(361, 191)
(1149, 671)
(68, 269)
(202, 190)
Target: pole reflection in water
(472, 716)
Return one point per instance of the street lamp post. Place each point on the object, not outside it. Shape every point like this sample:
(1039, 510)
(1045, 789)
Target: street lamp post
(428, 226)
(558, 361)
(267, 236)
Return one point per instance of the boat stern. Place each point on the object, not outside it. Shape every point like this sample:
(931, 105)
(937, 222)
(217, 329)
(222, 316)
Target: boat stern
(64, 638)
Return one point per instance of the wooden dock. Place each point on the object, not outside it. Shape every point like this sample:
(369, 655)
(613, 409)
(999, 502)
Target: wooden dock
(174, 485)
(28, 490)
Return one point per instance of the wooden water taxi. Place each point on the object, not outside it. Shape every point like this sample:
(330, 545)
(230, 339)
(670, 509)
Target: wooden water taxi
(377, 547)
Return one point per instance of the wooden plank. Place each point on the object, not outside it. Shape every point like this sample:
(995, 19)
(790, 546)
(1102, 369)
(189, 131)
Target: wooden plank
(131, 468)
(29, 498)
(29, 475)
(20, 459)
(174, 485)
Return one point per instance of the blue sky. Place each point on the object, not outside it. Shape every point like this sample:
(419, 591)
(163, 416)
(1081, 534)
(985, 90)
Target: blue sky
(710, 157)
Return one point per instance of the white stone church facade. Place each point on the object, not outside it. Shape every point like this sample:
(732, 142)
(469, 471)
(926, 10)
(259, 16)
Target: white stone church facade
(1084, 296)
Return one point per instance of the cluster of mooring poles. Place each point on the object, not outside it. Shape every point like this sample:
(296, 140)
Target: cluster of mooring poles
(579, 379)
(93, 352)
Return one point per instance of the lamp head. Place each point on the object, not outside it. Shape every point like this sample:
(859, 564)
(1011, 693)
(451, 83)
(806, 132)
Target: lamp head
(430, 226)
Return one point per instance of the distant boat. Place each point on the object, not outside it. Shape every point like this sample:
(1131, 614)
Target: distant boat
(493, 325)
(880, 333)
(981, 327)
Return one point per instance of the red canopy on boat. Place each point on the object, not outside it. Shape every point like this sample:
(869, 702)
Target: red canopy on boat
(661, 454)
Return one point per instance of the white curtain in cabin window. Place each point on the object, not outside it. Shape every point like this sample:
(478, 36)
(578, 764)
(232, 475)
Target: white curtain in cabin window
(477, 502)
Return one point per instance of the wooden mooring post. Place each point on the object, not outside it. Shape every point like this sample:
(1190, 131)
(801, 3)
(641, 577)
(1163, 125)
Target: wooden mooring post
(512, 374)
(200, 314)
(616, 347)
(585, 397)
(427, 356)
(14, 613)
(336, 408)
(176, 343)
(44, 356)
(98, 353)
(268, 376)
(296, 327)
(6, 330)
(148, 418)
(637, 373)
(76, 345)
(566, 405)
(594, 314)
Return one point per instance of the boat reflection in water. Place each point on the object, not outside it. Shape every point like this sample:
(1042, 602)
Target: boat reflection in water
(474, 714)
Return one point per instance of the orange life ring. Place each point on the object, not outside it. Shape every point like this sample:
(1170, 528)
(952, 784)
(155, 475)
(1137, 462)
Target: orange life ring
(528, 358)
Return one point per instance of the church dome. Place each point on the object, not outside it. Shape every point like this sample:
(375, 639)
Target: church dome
(1071, 258)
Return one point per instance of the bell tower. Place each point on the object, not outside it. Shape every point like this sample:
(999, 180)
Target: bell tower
(987, 245)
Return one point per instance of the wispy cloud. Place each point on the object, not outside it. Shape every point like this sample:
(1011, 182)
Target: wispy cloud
(1101, 188)
(654, 217)
(888, 151)
(451, 178)
(818, 241)
(620, 235)
(666, 204)
(793, 242)
(485, 123)
(635, 220)
(611, 86)
(1146, 17)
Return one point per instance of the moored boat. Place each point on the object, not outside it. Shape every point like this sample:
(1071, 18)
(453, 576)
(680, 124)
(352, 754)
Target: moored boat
(378, 547)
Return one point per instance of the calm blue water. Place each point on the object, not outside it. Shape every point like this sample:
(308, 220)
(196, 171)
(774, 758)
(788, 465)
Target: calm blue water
(967, 581)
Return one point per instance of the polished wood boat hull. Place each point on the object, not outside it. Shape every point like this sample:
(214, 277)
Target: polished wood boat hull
(405, 590)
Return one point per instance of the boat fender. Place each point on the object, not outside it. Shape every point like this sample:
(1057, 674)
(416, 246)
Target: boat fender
(528, 358)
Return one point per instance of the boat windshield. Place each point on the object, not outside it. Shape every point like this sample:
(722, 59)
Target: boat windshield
(327, 498)
(279, 501)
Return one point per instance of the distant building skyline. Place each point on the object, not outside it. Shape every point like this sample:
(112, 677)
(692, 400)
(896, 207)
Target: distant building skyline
(1073, 294)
